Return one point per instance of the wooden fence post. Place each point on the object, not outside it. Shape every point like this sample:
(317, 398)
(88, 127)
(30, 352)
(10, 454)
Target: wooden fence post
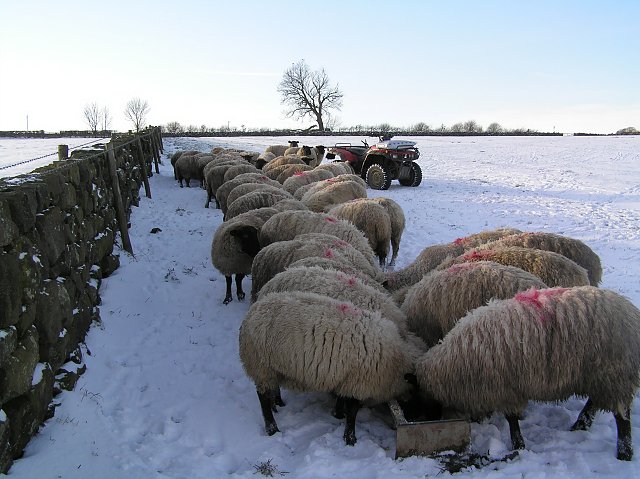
(63, 152)
(159, 136)
(143, 165)
(154, 151)
(120, 213)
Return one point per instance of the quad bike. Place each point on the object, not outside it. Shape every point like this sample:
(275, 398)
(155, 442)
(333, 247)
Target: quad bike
(381, 163)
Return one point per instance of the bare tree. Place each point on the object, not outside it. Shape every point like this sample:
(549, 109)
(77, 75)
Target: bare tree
(494, 128)
(136, 112)
(105, 118)
(92, 116)
(308, 93)
(174, 127)
(472, 126)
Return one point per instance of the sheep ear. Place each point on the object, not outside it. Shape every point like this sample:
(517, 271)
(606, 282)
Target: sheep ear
(247, 236)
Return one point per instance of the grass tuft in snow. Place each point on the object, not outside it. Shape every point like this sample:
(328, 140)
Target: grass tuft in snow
(268, 469)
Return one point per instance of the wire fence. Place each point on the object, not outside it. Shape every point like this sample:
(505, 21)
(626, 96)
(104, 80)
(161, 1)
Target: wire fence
(4, 167)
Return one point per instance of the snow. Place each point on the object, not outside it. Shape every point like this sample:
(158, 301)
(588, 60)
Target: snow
(165, 396)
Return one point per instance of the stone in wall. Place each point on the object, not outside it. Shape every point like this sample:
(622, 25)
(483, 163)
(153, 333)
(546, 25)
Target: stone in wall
(8, 229)
(17, 372)
(10, 294)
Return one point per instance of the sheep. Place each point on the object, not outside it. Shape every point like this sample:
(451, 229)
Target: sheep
(541, 345)
(239, 169)
(336, 285)
(337, 167)
(311, 342)
(254, 200)
(291, 170)
(177, 155)
(283, 160)
(274, 173)
(317, 155)
(396, 215)
(318, 185)
(225, 189)
(332, 264)
(216, 150)
(552, 268)
(263, 159)
(279, 150)
(435, 303)
(433, 255)
(572, 248)
(187, 169)
(334, 194)
(372, 219)
(288, 224)
(289, 204)
(303, 178)
(214, 177)
(274, 258)
(234, 245)
(246, 188)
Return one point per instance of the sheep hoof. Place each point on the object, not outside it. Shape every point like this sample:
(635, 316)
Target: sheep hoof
(271, 429)
(227, 300)
(350, 438)
(240, 296)
(624, 454)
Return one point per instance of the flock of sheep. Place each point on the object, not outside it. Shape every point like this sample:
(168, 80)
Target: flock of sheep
(482, 324)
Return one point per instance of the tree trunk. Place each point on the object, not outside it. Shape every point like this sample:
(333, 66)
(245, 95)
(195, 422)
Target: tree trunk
(320, 122)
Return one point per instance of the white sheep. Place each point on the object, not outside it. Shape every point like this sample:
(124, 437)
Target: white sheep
(552, 268)
(433, 255)
(288, 224)
(274, 258)
(542, 345)
(337, 168)
(337, 285)
(177, 155)
(236, 170)
(437, 302)
(222, 193)
(263, 159)
(310, 342)
(332, 264)
(318, 185)
(572, 248)
(334, 194)
(372, 219)
(234, 245)
(303, 178)
(396, 215)
(283, 160)
(214, 176)
(246, 188)
(254, 200)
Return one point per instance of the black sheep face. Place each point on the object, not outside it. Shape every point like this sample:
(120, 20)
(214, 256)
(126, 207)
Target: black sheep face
(247, 236)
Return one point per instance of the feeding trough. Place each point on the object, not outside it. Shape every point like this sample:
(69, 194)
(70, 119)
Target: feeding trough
(419, 436)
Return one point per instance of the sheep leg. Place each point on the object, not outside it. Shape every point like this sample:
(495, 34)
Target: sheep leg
(351, 407)
(625, 444)
(517, 442)
(585, 418)
(278, 399)
(338, 409)
(228, 298)
(266, 405)
(239, 292)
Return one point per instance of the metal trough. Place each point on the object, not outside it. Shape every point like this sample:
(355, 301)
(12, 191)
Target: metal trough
(423, 438)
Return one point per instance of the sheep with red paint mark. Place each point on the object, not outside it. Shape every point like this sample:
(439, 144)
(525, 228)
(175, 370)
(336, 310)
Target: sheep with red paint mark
(288, 224)
(541, 345)
(432, 256)
(302, 178)
(552, 268)
(311, 342)
(572, 248)
(276, 257)
(439, 300)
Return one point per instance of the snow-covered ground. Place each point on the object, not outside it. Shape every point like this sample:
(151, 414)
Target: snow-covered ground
(165, 395)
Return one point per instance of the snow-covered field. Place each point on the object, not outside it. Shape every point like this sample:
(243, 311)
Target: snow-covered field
(165, 395)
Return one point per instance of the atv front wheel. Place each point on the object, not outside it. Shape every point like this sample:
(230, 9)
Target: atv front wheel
(415, 177)
(377, 177)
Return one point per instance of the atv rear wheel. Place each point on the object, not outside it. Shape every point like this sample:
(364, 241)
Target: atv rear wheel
(415, 177)
(377, 177)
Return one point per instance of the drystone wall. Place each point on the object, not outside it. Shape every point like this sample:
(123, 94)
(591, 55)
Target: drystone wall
(58, 228)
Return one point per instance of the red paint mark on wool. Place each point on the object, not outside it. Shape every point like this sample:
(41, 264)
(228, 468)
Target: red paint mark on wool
(459, 241)
(456, 268)
(330, 219)
(328, 253)
(349, 280)
(340, 244)
(475, 255)
(348, 308)
(300, 173)
(330, 180)
(537, 297)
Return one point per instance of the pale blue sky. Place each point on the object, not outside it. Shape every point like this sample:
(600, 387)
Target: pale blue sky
(568, 65)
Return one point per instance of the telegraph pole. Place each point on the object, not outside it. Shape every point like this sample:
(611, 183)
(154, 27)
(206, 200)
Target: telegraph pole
(27, 122)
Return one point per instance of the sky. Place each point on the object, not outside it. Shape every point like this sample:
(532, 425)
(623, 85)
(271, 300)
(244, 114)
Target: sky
(564, 66)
